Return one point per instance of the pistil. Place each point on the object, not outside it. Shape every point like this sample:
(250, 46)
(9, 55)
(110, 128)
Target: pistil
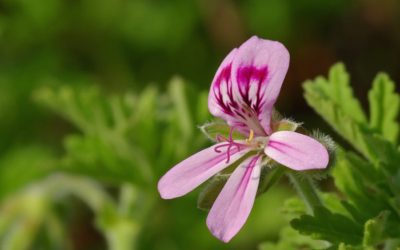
(229, 143)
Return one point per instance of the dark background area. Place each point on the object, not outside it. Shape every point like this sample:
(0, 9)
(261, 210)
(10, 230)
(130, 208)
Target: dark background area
(130, 44)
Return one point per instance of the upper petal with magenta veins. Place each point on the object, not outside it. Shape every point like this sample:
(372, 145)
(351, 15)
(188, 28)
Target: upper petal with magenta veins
(247, 85)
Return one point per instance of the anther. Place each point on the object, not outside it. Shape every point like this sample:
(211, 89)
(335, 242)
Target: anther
(251, 136)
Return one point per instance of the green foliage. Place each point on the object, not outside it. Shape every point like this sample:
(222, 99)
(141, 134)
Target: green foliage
(23, 165)
(32, 210)
(374, 230)
(290, 239)
(123, 137)
(384, 107)
(333, 99)
(369, 213)
(332, 227)
(126, 141)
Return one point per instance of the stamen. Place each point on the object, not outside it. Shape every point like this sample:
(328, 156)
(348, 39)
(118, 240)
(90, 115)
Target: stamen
(251, 136)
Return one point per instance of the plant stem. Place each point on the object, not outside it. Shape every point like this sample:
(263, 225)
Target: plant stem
(307, 191)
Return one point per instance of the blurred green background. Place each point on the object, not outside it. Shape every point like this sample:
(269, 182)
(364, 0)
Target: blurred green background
(105, 67)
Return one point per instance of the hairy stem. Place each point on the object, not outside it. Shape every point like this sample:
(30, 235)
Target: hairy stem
(307, 191)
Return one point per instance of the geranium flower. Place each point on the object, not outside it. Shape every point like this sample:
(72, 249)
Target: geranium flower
(243, 93)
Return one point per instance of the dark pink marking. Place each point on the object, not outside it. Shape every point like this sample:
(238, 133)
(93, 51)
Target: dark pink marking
(249, 107)
(246, 178)
(248, 75)
(225, 76)
(280, 146)
(210, 163)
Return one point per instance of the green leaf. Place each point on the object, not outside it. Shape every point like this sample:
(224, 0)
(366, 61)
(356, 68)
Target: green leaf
(343, 246)
(375, 230)
(294, 207)
(138, 113)
(105, 159)
(385, 153)
(177, 136)
(183, 115)
(333, 99)
(127, 137)
(23, 165)
(358, 180)
(384, 107)
(333, 227)
(290, 239)
(337, 90)
(367, 185)
(23, 215)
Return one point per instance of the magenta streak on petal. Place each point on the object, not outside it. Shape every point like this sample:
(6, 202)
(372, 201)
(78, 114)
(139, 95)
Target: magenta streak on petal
(296, 151)
(251, 75)
(243, 183)
(209, 163)
(233, 205)
(280, 146)
(244, 111)
(225, 77)
(190, 173)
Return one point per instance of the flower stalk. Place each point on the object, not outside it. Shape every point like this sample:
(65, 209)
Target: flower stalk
(307, 191)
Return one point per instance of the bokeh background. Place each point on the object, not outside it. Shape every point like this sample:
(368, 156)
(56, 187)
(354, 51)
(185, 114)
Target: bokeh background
(52, 47)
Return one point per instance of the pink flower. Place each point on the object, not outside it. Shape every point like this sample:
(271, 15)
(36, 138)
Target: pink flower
(243, 93)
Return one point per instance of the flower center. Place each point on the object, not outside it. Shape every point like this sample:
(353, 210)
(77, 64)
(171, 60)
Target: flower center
(234, 146)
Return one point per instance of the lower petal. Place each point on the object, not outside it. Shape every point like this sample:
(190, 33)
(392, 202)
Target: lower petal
(234, 203)
(296, 151)
(190, 173)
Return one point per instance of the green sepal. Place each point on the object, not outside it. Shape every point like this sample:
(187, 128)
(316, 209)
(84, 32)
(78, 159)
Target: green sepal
(285, 125)
(219, 127)
(211, 191)
(268, 177)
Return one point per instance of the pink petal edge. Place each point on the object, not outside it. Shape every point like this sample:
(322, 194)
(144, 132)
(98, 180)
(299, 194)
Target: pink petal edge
(190, 173)
(233, 205)
(297, 151)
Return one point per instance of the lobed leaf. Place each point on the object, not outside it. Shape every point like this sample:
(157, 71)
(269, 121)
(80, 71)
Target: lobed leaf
(384, 107)
(333, 227)
(374, 230)
(333, 100)
(289, 239)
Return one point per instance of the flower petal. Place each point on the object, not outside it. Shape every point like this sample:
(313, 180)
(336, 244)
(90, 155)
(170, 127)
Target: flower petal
(190, 173)
(247, 85)
(296, 151)
(233, 205)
